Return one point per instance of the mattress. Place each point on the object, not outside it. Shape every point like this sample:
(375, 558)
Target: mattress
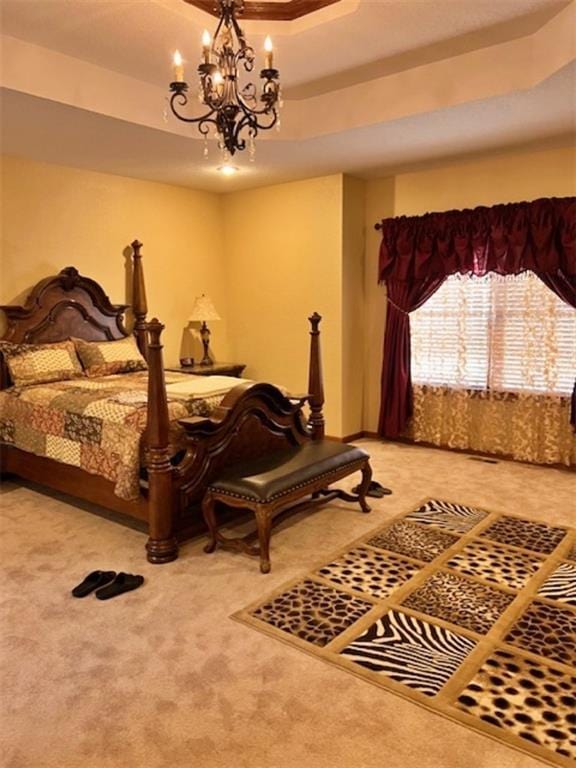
(97, 423)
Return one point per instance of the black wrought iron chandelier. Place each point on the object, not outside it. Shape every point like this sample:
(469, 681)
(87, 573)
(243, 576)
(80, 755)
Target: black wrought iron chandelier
(236, 112)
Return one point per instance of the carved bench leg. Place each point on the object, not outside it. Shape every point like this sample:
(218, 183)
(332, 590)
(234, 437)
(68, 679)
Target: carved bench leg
(263, 514)
(208, 510)
(364, 484)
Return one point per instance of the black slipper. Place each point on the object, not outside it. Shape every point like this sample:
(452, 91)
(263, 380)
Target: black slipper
(379, 489)
(124, 582)
(93, 581)
(375, 490)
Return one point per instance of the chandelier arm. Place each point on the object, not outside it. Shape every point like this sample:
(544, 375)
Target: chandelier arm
(245, 55)
(271, 124)
(203, 128)
(211, 97)
(266, 109)
(181, 99)
(239, 33)
(244, 106)
(240, 125)
(217, 32)
(254, 127)
(200, 119)
(252, 115)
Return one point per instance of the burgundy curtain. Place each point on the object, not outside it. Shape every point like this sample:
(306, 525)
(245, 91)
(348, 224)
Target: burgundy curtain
(565, 288)
(396, 381)
(418, 253)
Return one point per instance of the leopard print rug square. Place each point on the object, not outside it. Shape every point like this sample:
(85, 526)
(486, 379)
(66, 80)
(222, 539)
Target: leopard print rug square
(469, 613)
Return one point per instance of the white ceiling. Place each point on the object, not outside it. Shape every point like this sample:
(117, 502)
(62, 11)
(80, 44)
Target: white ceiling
(137, 37)
(382, 86)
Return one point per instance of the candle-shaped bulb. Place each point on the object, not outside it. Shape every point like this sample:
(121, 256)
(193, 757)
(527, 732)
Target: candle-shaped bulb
(178, 67)
(269, 55)
(218, 82)
(206, 44)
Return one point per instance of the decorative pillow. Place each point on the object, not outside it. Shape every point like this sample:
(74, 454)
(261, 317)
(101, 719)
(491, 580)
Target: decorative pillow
(41, 363)
(102, 358)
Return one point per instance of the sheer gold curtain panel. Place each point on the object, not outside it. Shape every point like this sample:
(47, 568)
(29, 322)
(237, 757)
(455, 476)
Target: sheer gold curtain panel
(493, 365)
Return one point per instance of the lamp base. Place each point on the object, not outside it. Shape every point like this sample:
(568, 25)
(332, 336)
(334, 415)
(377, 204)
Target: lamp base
(205, 335)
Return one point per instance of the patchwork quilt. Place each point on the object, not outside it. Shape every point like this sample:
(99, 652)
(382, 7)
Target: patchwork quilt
(93, 423)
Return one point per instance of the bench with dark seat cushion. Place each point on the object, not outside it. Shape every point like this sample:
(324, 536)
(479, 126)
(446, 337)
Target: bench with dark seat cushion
(275, 482)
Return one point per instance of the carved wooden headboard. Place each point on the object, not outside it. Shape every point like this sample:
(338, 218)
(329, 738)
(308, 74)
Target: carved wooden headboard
(62, 306)
(70, 304)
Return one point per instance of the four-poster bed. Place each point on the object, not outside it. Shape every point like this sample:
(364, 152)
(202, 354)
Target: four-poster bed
(251, 420)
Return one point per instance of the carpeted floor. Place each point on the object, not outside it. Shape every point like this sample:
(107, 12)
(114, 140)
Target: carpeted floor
(466, 612)
(163, 677)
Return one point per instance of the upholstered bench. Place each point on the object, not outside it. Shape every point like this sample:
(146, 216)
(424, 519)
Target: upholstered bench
(274, 483)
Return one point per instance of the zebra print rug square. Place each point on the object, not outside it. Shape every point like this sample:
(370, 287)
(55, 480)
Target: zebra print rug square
(469, 613)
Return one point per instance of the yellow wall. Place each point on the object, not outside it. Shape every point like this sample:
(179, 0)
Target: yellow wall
(53, 217)
(353, 310)
(498, 178)
(267, 257)
(283, 248)
(292, 249)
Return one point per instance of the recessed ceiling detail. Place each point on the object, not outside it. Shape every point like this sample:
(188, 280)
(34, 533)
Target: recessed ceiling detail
(275, 10)
(84, 84)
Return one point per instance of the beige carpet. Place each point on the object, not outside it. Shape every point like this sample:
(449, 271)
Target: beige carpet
(163, 677)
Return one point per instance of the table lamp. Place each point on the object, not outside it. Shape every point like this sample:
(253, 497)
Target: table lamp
(202, 311)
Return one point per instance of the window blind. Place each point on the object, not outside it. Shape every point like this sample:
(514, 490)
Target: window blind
(501, 333)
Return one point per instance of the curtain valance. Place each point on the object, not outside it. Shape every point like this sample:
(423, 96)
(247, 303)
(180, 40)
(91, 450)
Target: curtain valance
(507, 239)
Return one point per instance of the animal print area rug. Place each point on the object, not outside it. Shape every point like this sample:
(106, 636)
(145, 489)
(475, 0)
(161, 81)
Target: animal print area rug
(469, 613)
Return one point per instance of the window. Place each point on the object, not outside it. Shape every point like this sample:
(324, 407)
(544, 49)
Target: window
(495, 333)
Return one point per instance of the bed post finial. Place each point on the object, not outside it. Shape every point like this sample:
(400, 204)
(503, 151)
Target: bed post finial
(161, 546)
(139, 304)
(315, 381)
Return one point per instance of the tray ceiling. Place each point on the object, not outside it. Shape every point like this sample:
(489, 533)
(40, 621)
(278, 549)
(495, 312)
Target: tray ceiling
(369, 85)
(277, 10)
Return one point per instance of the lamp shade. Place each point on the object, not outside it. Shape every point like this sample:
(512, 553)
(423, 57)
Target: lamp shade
(203, 310)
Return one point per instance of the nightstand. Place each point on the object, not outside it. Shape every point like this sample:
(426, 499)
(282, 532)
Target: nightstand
(216, 369)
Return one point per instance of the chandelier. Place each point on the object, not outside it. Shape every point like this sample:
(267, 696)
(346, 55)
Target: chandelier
(235, 111)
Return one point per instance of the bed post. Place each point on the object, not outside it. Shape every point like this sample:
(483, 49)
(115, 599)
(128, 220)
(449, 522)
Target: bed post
(161, 546)
(139, 304)
(315, 382)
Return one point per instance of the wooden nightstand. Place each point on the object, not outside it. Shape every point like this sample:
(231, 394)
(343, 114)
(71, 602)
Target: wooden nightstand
(217, 369)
